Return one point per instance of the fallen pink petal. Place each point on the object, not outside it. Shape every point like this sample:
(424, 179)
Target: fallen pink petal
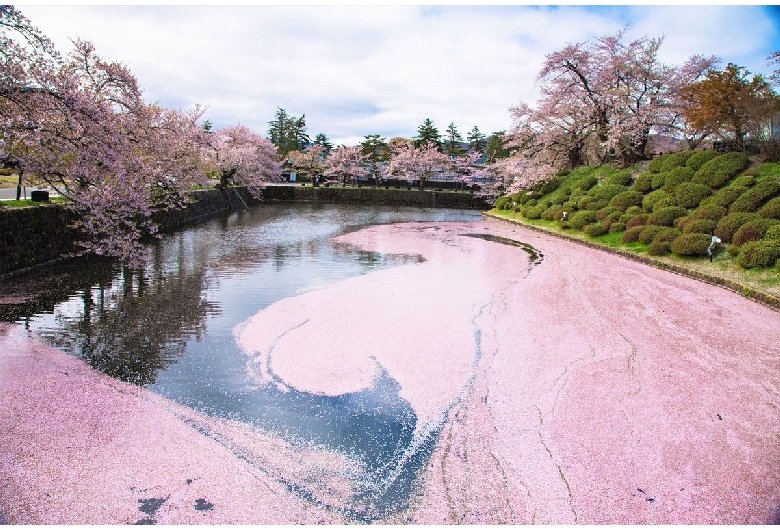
(553, 383)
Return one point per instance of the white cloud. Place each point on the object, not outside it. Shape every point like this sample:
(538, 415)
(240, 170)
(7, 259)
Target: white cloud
(358, 70)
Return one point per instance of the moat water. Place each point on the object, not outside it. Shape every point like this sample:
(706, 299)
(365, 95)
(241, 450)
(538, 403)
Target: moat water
(170, 329)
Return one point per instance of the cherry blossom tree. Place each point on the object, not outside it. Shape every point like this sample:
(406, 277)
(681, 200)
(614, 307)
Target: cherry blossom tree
(410, 162)
(347, 163)
(310, 161)
(621, 89)
(80, 125)
(243, 157)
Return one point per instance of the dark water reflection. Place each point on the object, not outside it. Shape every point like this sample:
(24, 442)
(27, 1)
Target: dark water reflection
(170, 328)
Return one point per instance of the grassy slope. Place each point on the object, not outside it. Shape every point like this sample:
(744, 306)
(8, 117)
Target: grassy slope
(756, 283)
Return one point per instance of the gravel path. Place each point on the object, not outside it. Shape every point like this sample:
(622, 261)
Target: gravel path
(566, 386)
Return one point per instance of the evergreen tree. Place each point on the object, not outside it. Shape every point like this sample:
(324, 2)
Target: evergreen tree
(374, 150)
(427, 133)
(451, 140)
(322, 140)
(477, 140)
(287, 132)
(495, 148)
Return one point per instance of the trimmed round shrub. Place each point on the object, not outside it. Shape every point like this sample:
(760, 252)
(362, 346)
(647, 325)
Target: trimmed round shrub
(553, 212)
(718, 171)
(666, 216)
(676, 160)
(616, 226)
(726, 196)
(606, 191)
(729, 225)
(744, 181)
(643, 183)
(699, 158)
(588, 182)
(675, 177)
(648, 202)
(667, 234)
(659, 248)
(634, 210)
(691, 244)
(639, 219)
(595, 229)
(584, 217)
(621, 178)
(771, 209)
(773, 232)
(631, 235)
(752, 199)
(665, 202)
(649, 232)
(753, 230)
(655, 164)
(699, 226)
(605, 212)
(713, 212)
(591, 203)
(612, 218)
(503, 203)
(535, 212)
(560, 196)
(658, 180)
(690, 194)
(764, 253)
(624, 200)
(523, 197)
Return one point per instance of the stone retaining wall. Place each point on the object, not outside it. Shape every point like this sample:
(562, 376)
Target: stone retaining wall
(39, 235)
(376, 196)
(34, 235)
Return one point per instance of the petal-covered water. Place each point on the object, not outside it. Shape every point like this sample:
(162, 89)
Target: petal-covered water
(171, 329)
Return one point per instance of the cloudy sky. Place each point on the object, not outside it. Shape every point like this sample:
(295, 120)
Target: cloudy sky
(362, 69)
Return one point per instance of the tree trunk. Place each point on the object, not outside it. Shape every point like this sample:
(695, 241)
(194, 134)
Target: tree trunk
(19, 184)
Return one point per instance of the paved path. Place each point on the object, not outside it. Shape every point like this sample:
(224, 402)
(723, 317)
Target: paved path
(584, 389)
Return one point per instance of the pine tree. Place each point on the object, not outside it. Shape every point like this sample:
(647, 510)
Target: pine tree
(322, 139)
(287, 132)
(477, 140)
(427, 133)
(452, 140)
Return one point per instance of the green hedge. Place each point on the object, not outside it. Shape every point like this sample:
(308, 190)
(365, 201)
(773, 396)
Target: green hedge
(639, 219)
(584, 217)
(752, 199)
(666, 216)
(675, 177)
(773, 232)
(621, 178)
(729, 225)
(643, 183)
(712, 212)
(753, 230)
(631, 235)
(650, 200)
(699, 226)
(725, 197)
(699, 158)
(764, 253)
(771, 209)
(595, 229)
(718, 171)
(649, 232)
(625, 199)
(691, 245)
(690, 194)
